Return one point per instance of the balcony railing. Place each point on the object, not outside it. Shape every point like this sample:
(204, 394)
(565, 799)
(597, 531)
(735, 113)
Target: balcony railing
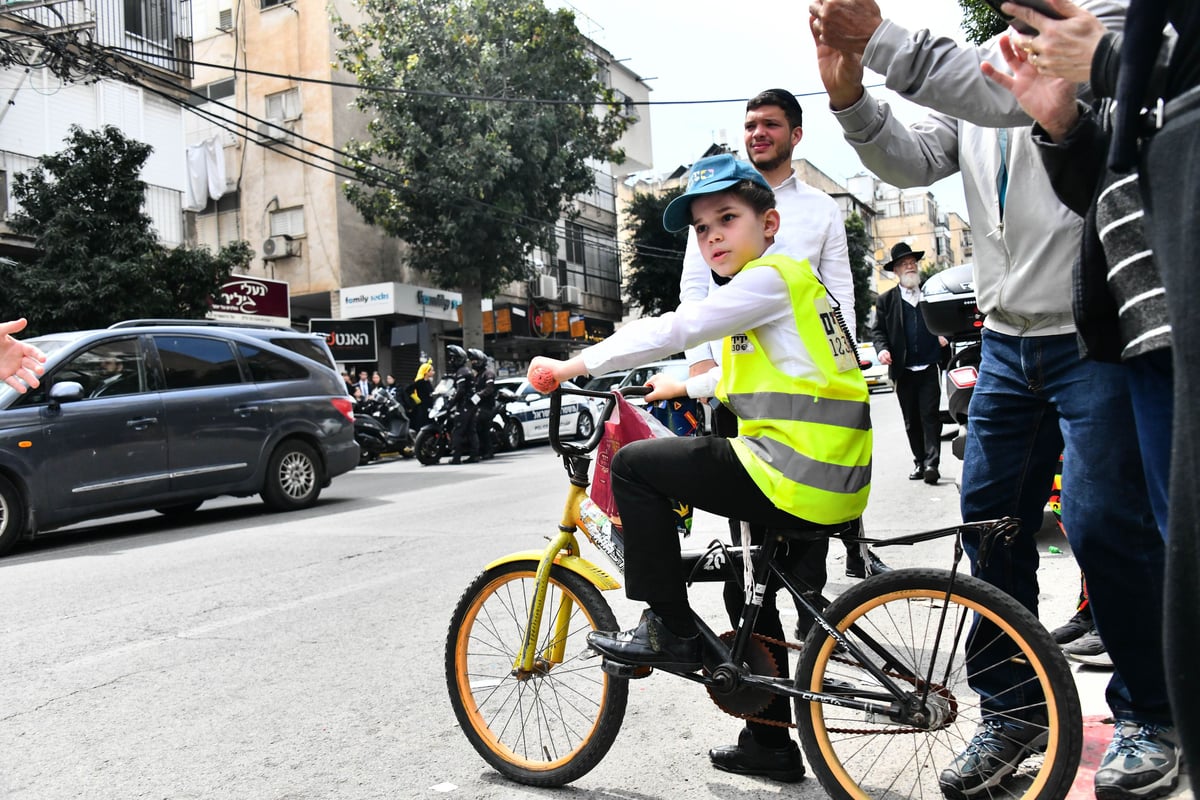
(158, 32)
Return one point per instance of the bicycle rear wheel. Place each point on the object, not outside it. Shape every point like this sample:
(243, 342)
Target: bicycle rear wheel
(903, 622)
(549, 726)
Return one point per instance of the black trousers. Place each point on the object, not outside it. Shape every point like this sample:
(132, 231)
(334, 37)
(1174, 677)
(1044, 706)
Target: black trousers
(464, 438)
(483, 429)
(918, 393)
(1170, 181)
(705, 473)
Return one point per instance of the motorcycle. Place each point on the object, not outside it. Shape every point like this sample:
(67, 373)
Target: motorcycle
(505, 427)
(433, 442)
(949, 308)
(381, 426)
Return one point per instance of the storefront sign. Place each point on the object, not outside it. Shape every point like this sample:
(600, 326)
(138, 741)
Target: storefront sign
(381, 299)
(369, 300)
(348, 339)
(254, 300)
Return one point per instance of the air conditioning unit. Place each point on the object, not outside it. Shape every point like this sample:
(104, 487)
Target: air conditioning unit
(572, 296)
(546, 288)
(269, 134)
(279, 247)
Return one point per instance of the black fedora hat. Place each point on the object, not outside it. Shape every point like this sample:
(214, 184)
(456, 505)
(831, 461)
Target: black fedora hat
(901, 250)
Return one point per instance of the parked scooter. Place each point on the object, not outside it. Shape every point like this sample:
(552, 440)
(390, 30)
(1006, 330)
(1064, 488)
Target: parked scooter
(949, 307)
(381, 426)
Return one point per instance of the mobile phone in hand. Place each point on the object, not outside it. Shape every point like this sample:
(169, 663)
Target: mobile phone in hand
(1040, 6)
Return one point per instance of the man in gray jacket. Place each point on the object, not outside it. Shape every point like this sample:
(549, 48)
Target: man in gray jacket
(1035, 397)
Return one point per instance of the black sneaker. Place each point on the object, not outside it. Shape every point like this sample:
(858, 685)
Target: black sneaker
(994, 753)
(1088, 649)
(858, 566)
(1141, 761)
(1075, 627)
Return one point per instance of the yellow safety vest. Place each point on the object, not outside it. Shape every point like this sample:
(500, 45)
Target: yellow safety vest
(806, 442)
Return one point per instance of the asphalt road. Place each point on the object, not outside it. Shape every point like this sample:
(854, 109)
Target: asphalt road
(244, 654)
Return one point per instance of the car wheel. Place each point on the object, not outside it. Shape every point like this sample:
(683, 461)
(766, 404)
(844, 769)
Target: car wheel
(12, 516)
(179, 509)
(293, 477)
(585, 425)
(514, 436)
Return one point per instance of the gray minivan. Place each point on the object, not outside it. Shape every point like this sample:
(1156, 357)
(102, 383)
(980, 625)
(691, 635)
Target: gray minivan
(163, 415)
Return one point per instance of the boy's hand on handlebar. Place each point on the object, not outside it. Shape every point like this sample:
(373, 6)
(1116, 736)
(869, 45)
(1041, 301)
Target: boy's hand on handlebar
(665, 387)
(562, 370)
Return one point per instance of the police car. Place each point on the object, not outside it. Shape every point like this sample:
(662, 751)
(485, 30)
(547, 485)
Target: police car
(531, 409)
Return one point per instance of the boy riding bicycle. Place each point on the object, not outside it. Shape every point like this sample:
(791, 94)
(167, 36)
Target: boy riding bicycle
(790, 374)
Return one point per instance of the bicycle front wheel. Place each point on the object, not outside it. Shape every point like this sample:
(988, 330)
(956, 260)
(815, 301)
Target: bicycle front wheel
(550, 725)
(906, 625)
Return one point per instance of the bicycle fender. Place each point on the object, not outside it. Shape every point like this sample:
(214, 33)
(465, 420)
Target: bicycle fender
(580, 566)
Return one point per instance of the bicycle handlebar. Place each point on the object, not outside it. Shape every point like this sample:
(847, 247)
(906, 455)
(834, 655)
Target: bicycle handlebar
(610, 402)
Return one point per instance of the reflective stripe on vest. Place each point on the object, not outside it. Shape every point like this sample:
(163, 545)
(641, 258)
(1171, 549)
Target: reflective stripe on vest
(805, 442)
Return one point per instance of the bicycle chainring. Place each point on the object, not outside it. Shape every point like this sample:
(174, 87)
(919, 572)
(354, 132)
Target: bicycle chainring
(746, 701)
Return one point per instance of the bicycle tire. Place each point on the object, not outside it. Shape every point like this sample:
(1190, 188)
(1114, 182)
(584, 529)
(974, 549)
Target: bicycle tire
(549, 728)
(855, 756)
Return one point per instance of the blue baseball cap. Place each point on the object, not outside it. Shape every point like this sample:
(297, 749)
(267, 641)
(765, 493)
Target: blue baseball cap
(712, 174)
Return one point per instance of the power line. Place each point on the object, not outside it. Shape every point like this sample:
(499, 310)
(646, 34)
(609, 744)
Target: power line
(460, 95)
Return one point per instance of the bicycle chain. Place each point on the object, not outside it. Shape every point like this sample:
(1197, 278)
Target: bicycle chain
(797, 646)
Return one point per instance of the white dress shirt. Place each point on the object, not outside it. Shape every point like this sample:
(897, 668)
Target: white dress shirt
(756, 299)
(811, 227)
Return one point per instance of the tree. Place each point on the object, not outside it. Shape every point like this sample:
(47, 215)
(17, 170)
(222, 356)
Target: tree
(96, 258)
(862, 264)
(652, 282)
(486, 118)
(980, 21)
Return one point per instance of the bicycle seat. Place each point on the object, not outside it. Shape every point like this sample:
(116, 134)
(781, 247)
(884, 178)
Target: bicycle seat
(812, 531)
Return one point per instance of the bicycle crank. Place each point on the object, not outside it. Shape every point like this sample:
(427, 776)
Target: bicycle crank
(735, 698)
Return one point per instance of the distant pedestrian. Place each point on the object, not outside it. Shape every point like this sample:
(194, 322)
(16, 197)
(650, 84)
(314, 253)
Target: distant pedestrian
(912, 355)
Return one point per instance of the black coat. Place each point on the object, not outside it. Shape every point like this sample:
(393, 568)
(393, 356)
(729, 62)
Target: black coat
(888, 331)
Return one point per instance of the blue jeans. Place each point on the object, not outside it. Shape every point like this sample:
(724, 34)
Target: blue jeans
(1036, 398)
(1151, 387)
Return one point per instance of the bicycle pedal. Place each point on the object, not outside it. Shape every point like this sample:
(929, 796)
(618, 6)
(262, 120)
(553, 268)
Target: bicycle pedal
(628, 671)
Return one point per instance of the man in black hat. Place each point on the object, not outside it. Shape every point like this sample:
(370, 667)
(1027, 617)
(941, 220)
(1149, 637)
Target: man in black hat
(911, 354)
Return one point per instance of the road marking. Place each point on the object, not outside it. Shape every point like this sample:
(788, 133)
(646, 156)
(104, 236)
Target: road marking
(207, 629)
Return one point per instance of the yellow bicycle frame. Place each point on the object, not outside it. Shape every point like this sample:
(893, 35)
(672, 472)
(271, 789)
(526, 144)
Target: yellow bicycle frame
(564, 551)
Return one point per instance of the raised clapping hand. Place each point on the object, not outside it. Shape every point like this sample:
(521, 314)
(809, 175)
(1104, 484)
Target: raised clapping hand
(20, 363)
(1049, 100)
(841, 71)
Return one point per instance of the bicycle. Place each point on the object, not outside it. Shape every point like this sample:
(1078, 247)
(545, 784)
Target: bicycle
(880, 689)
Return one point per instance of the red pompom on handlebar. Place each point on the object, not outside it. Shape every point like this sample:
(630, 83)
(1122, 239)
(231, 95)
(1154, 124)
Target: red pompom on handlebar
(543, 380)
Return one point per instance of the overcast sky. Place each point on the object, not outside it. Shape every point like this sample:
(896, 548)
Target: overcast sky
(709, 50)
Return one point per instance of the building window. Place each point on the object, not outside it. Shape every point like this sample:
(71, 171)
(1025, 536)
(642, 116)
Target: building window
(575, 250)
(149, 19)
(217, 90)
(288, 222)
(915, 205)
(284, 105)
(225, 19)
(270, 3)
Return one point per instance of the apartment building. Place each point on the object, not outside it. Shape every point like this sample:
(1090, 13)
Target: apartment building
(40, 97)
(912, 216)
(280, 122)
